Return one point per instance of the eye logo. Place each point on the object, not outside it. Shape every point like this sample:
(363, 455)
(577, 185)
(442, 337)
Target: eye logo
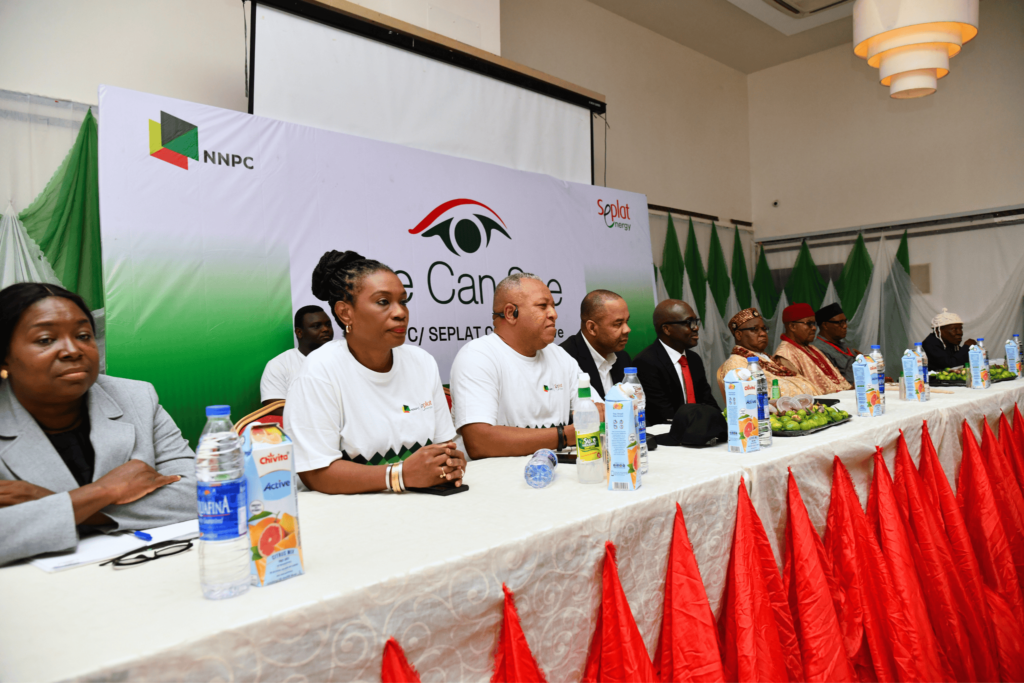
(173, 140)
(467, 234)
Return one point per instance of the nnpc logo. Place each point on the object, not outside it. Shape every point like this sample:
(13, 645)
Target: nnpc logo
(467, 234)
(176, 141)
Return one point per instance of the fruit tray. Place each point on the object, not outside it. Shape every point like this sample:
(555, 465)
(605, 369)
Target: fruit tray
(936, 382)
(812, 431)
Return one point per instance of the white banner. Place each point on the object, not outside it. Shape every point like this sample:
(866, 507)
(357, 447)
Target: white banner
(213, 221)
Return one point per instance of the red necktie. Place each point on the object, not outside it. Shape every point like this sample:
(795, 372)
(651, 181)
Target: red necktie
(687, 380)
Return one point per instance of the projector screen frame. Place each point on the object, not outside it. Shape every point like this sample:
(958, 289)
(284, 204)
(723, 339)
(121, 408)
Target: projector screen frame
(407, 40)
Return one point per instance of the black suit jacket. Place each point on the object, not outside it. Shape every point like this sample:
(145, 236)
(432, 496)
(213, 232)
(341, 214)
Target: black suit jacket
(662, 388)
(576, 346)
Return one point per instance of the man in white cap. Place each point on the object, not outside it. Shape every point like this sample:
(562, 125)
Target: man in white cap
(943, 345)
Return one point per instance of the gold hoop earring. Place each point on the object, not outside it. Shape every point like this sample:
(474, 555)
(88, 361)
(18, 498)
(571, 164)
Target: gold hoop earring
(3, 374)
(348, 329)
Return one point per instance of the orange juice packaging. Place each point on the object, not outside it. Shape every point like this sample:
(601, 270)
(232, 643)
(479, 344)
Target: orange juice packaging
(623, 443)
(741, 412)
(273, 510)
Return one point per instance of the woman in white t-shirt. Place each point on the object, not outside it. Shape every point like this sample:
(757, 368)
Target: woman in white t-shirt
(367, 412)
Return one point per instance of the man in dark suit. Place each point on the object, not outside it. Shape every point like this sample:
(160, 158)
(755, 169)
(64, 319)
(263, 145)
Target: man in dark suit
(598, 346)
(670, 373)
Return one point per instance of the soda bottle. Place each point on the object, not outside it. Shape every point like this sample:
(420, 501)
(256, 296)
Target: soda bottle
(640, 408)
(587, 421)
(540, 470)
(224, 547)
(876, 355)
(764, 425)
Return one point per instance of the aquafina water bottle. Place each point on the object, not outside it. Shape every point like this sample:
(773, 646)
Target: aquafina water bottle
(640, 408)
(224, 548)
(764, 425)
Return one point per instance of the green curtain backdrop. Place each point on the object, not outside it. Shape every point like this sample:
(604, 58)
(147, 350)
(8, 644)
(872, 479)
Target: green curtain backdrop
(672, 263)
(64, 220)
(764, 287)
(903, 253)
(695, 271)
(805, 284)
(718, 271)
(740, 278)
(853, 281)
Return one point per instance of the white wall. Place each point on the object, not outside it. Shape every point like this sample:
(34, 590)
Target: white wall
(678, 119)
(830, 145)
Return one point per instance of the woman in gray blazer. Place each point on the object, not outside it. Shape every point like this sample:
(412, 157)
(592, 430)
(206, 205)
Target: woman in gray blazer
(76, 448)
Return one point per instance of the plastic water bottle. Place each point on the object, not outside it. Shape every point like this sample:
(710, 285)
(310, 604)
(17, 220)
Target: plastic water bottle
(587, 421)
(640, 408)
(919, 349)
(1020, 350)
(224, 547)
(540, 470)
(764, 425)
(984, 359)
(876, 355)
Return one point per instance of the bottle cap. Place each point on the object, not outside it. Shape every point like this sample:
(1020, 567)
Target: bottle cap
(752, 359)
(218, 411)
(630, 371)
(917, 343)
(875, 346)
(981, 339)
(583, 388)
(584, 381)
(775, 382)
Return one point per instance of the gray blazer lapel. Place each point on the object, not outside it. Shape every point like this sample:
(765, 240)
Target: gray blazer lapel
(113, 439)
(25, 449)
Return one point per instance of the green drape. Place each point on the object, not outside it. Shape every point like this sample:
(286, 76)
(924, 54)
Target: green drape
(64, 220)
(805, 284)
(695, 271)
(718, 271)
(740, 278)
(903, 253)
(853, 281)
(672, 263)
(764, 287)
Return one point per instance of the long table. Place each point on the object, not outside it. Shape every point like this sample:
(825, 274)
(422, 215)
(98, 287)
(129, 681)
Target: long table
(429, 570)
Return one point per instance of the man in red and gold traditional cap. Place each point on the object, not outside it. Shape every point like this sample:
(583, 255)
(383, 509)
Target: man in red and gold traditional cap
(751, 334)
(797, 354)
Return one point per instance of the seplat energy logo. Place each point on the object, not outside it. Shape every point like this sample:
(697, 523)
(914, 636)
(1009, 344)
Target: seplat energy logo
(173, 140)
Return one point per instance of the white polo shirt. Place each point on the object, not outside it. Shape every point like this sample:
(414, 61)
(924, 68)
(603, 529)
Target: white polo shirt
(279, 373)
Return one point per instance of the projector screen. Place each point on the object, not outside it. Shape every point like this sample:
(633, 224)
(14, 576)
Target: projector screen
(316, 75)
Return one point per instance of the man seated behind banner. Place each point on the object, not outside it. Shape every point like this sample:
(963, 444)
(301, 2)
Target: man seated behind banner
(313, 329)
(598, 347)
(830, 340)
(513, 391)
(796, 353)
(670, 373)
(751, 334)
(943, 345)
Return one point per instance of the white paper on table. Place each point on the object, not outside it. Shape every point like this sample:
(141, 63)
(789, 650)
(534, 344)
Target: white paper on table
(104, 547)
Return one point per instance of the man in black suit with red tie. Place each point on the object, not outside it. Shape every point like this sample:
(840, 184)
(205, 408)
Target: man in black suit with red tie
(598, 346)
(670, 373)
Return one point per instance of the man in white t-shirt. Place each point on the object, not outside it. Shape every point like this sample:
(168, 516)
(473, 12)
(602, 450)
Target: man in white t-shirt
(313, 329)
(513, 391)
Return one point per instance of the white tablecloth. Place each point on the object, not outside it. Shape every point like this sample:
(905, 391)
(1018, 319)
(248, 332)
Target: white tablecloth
(429, 570)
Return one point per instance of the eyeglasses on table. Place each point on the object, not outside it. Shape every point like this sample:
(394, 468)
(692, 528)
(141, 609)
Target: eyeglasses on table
(150, 552)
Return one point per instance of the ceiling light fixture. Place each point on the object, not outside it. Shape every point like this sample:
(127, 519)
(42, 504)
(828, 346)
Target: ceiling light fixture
(910, 41)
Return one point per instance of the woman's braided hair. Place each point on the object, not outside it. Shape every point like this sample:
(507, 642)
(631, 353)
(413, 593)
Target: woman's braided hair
(338, 275)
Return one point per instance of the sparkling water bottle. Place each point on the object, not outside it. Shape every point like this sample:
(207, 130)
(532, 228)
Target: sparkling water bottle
(987, 376)
(640, 408)
(919, 349)
(540, 470)
(764, 425)
(876, 355)
(224, 547)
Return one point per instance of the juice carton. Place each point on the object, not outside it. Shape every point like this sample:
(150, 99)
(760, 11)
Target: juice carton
(865, 382)
(273, 511)
(623, 443)
(977, 371)
(913, 374)
(1013, 363)
(741, 412)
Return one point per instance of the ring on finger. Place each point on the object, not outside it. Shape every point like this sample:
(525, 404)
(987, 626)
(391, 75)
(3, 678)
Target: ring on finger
(443, 475)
